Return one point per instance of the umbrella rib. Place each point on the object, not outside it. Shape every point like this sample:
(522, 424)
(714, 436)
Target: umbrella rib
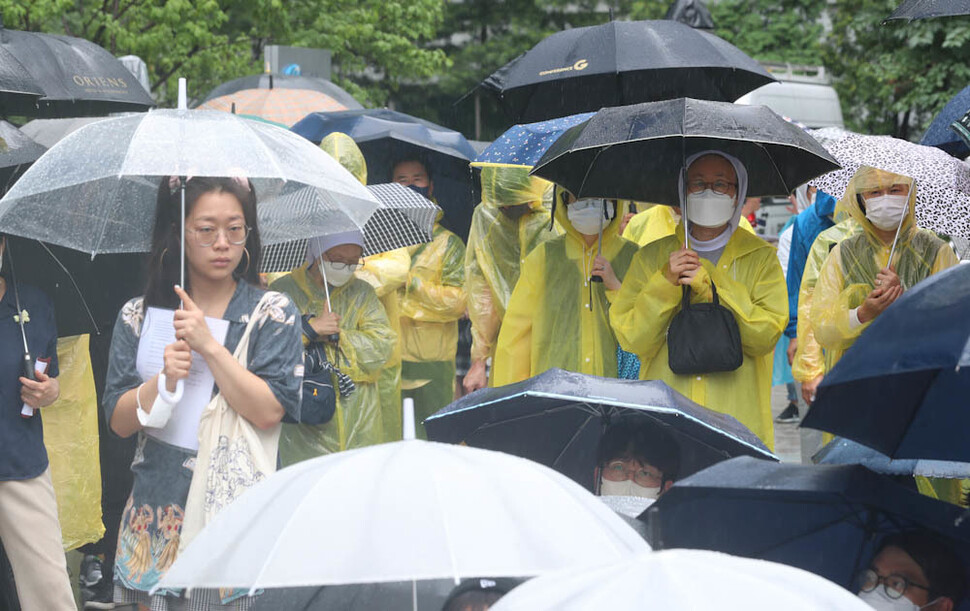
(444, 525)
(572, 439)
(77, 289)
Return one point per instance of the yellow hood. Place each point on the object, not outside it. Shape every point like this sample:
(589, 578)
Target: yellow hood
(610, 229)
(342, 147)
(867, 178)
(511, 185)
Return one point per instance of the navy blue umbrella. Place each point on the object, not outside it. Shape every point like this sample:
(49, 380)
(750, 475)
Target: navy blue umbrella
(846, 452)
(903, 386)
(385, 136)
(558, 417)
(824, 519)
(525, 144)
(939, 133)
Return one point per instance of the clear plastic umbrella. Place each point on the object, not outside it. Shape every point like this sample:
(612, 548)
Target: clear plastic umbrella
(682, 579)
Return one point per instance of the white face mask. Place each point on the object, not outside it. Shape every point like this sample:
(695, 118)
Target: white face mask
(627, 488)
(335, 277)
(587, 217)
(886, 211)
(709, 209)
(878, 599)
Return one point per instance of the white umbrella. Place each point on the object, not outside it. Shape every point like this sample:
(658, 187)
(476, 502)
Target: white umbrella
(685, 580)
(403, 511)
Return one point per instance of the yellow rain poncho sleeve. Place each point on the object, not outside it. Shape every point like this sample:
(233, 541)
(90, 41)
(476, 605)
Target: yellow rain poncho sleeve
(498, 245)
(366, 343)
(432, 301)
(749, 283)
(550, 320)
(387, 272)
(809, 361)
(71, 438)
(342, 147)
(849, 273)
(659, 222)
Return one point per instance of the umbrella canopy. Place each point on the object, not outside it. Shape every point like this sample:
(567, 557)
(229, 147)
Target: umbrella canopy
(76, 76)
(526, 144)
(283, 106)
(681, 579)
(939, 133)
(558, 417)
(17, 151)
(942, 181)
(405, 218)
(430, 595)
(48, 132)
(408, 510)
(926, 9)
(824, 519)
(846, 452)
(902, 387)
(17, 86)
(95, 191)
(385, 136)
(282, 82)
(637, 152)
(620, 63)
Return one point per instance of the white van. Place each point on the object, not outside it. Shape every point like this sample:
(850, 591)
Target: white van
(804, 94)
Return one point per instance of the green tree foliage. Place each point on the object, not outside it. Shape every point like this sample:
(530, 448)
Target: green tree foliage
(892, 79)
(771, 30)
(375, 43)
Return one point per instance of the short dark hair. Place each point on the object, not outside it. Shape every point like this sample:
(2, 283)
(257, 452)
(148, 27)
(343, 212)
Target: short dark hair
(478, 594)
(942, 566)
(644, 441)
(164, 260)
(412, 157)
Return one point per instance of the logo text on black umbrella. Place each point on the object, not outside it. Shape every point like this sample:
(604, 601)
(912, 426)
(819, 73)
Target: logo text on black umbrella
(579, 65)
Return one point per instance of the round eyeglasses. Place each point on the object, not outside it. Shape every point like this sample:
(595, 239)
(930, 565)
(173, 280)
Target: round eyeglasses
(894, 585)
(207, 236)
(623, 470)
(721, 187)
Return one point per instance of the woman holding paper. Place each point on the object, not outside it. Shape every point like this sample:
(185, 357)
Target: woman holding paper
(153, 349)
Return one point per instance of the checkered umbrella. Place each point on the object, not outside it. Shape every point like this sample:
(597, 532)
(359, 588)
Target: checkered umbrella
(285, 106)
(942, 181)
(404, 218)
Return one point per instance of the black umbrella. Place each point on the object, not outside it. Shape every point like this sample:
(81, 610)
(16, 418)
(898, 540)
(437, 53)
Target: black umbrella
(622, 62)
(846, 452)
(558, 417)
(637, 152)
(824, 519)
(76, 76)
(17, 151)
(926, 9)
(16, 84)
(282, 81)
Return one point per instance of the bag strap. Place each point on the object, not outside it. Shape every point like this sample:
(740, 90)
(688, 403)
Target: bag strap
(685, 299)
(242, 350)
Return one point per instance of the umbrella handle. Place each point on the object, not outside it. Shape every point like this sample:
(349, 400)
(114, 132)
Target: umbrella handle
(892, 251)
(599, 244)
(335, 337)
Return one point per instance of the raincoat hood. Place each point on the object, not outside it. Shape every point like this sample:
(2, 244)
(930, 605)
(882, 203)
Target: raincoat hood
(342, 147)
(511, 185)
(742, 177)
(867, 178)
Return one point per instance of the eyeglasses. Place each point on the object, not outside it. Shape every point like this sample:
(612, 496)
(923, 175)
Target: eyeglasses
(894, 585)
(721, 187)
(338, 265)
(622, 470)
(207, 236)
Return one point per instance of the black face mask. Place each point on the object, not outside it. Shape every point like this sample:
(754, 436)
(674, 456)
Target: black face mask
(424, 192)
(515, 212)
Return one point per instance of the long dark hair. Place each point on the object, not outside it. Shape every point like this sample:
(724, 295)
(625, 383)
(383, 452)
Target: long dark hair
(163, 263)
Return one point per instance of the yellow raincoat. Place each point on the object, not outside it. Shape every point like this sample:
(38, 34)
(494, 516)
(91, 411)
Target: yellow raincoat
(71, 438)
(498, 245)
(550, 320)
(659, 222)
(750, 283)
(386, 272)
(367, 341)
(849, 273)
(432, 301)
(809, 362)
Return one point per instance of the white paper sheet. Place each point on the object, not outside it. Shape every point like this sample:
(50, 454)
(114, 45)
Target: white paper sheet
(27, 411)
(157, 332)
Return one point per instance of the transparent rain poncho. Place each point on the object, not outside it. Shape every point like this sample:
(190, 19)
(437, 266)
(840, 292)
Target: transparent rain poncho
(849, 273)
(95, 191)
(342, 147)
(498, 244)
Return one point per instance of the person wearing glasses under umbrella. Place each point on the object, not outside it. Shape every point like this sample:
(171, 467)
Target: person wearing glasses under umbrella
(911, 571)
(343, 313)
(742, 267)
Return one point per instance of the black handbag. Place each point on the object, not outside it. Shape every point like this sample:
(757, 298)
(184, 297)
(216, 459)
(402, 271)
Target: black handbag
(319, 401)
(703, 338)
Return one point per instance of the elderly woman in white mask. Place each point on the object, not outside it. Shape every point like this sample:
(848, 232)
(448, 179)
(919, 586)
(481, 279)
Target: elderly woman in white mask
(748, 280)
(343, 314)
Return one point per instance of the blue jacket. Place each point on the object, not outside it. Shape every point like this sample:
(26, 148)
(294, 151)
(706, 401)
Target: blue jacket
(808, 224)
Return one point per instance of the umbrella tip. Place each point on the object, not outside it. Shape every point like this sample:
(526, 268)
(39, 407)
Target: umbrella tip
(183, 96)
(408, 420)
